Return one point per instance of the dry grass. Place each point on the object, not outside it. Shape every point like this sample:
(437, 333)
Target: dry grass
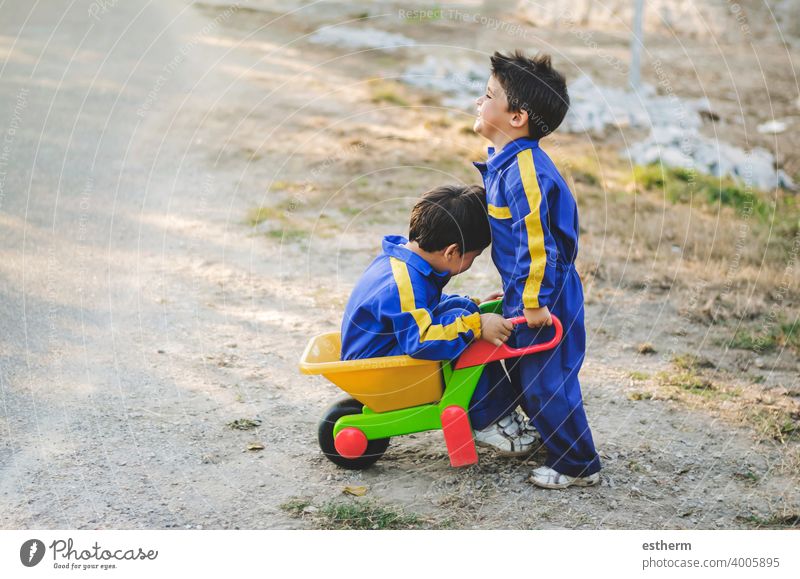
(697, 383)
(354, 515)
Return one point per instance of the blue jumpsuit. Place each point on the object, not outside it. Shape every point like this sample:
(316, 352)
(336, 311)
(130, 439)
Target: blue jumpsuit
(397, 307)
(534, 220)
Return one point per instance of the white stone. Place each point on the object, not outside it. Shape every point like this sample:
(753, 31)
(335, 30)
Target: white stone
(349, 37)
(773, 127)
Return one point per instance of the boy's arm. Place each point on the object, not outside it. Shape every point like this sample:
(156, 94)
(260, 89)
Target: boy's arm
(450, 302)
(422, 331)
(534, 242)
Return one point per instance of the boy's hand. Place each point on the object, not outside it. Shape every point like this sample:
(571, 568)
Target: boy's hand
(538, 317)
(495, 329)
(491, 297)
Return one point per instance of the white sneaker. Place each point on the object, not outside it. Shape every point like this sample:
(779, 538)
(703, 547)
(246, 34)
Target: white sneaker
(507, 437)
(527, 426)
(547, 478)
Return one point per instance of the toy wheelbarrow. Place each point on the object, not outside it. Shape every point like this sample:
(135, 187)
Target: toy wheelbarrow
(398, 395)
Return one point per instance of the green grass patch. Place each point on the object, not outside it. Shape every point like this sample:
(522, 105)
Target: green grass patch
(259, 215)
(350, 211)
(284, 224)
(245, 424)
(383, 91)
(693, 383)
(639, 376)
(354, 515)
(748, 476)
(583, 170)
(287, 235)
(685, 380)
(691, 362)
(778, 424)
(295, 507)
(366, 515)
(637, 395)
(775, 336)
(685, 186)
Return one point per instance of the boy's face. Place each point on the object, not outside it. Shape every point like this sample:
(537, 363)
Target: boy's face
(493, 112)
(495, 122)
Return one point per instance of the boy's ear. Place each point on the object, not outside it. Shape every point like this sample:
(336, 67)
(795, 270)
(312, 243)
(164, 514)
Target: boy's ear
(452, 251)
(519, 119)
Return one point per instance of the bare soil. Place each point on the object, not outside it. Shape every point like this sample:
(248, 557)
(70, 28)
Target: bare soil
(301, 162)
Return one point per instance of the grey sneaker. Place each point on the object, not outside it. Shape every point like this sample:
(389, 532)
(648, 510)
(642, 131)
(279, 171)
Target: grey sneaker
(547, 478)
(507, 437)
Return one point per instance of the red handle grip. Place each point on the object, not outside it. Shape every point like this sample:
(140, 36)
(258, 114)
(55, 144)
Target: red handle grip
(482, 352)
(544, 345)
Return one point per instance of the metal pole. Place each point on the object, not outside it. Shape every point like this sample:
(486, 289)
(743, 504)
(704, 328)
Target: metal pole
(636, 45)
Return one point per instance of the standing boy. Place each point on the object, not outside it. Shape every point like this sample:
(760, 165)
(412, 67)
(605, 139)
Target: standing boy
(534, 222)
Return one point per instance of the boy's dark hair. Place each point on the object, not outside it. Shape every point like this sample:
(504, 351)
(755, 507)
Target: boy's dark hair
(451, 214)
(533, 85)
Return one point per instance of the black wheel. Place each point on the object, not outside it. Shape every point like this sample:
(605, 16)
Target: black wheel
(346, 407)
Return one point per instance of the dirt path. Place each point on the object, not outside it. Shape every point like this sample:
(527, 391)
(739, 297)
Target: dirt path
(192, 318)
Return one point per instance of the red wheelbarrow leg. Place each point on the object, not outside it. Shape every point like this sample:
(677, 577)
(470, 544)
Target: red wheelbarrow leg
(458, 436)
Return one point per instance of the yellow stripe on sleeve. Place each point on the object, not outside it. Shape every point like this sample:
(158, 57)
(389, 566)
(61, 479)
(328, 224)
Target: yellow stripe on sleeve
(499, 212)
(533, 224)
(429, 331)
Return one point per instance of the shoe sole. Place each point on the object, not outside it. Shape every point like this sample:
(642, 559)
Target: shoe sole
(555, 486)
(507, 453)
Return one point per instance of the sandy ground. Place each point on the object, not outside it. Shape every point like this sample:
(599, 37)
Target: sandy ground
(144, 312)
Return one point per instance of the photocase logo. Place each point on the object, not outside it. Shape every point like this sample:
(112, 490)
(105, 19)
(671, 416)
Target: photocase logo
(31, 552)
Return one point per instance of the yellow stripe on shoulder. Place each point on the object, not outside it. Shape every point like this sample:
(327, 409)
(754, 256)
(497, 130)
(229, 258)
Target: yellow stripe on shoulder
(533, 225)
(499, 212)
(403, 281)
(429, 331)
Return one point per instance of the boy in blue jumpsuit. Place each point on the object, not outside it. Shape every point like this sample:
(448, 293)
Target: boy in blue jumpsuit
(534, 223)
(398, 307)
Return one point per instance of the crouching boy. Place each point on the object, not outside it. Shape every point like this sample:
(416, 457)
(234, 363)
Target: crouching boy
(398, 307)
